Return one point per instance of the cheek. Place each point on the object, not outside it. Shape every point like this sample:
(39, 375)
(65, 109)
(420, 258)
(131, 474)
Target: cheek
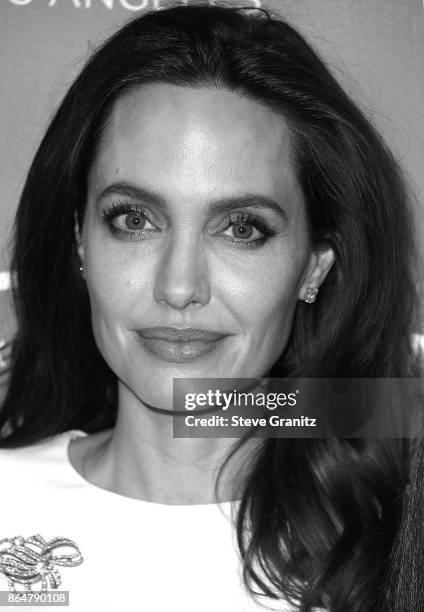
(109, 292)
(262, 296)
(117, 287)
(107, 313)
(116, 276)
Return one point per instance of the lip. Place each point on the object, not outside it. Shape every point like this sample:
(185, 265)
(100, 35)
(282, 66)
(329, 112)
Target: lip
(178, 334)
(179, 344)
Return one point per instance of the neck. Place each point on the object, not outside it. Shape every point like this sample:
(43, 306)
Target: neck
(140, 458)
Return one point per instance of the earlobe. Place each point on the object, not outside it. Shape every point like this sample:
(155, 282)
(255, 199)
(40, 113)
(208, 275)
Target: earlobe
(78, 239)
(319, 266)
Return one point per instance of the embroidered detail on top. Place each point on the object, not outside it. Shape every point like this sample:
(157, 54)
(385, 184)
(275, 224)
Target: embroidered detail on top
(31, 561)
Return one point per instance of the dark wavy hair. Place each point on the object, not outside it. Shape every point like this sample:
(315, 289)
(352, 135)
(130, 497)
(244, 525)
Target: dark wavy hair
(405, 579)
(317, 516)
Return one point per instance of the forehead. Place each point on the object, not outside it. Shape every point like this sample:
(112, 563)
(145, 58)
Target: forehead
(186, 140)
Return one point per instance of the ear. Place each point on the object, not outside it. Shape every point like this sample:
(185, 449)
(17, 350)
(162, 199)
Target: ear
(78, 239)
(319, 265)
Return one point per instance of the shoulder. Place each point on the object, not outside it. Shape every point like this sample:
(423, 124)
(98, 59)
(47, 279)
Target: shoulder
(35, 461)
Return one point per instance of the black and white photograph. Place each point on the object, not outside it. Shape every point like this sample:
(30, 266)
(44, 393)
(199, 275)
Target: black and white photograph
(212, 305)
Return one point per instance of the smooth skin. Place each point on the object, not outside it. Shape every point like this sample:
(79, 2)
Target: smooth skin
(194, 218)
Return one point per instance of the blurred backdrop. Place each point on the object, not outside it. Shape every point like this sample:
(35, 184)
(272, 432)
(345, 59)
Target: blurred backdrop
(375, 47)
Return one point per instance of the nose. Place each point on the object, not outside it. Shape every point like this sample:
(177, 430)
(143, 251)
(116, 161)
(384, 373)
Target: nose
(182, 275)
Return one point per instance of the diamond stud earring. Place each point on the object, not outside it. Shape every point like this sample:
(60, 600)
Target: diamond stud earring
(310, 295)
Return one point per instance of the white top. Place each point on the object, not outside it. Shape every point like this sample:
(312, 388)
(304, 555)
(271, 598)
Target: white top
(137, 555)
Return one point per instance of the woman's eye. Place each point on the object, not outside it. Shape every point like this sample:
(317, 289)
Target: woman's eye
(132, 221)
(243, 230)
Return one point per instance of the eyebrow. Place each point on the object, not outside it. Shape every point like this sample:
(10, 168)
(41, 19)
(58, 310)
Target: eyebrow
(215, 207)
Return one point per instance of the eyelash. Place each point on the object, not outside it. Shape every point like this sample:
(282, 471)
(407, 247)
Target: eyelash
(250, 219)
(123, 208)
(236, 218)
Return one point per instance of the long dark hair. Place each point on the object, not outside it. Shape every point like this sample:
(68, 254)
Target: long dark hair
(405, 579)
(319, 513)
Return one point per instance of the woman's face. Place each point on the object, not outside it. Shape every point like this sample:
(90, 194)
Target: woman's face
(194, 219)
